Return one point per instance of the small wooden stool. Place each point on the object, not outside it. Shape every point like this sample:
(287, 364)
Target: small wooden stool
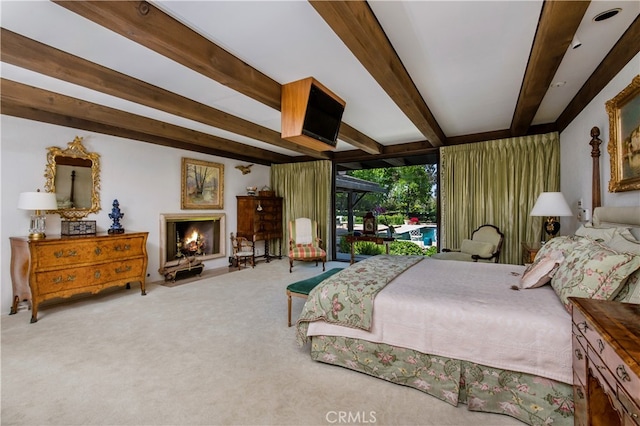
(304, 287)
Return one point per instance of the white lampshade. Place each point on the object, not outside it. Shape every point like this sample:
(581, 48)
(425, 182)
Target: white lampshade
(37, 201)
(551, 204)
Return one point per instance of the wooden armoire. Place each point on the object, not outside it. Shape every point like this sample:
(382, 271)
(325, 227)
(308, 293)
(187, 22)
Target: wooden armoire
(260, 219)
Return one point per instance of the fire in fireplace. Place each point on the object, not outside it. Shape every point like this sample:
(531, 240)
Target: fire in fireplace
(187, 235)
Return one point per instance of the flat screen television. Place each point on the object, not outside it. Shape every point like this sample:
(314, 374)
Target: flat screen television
(323, 117)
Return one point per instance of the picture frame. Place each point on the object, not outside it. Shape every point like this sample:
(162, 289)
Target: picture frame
(202, 185)
(624, 138)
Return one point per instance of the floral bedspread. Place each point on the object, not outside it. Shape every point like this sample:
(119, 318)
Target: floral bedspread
(346, 298)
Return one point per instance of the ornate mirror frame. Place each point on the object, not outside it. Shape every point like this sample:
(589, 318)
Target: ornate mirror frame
(75, 150)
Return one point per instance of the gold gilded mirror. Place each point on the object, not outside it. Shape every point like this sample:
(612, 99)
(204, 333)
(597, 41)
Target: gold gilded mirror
(74, 175)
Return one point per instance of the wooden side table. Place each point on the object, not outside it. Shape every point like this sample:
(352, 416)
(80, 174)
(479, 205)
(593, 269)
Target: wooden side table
(529, 251)
(351, 239)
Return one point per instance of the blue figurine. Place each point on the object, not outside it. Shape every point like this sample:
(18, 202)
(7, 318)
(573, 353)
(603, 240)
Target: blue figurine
(116, 215)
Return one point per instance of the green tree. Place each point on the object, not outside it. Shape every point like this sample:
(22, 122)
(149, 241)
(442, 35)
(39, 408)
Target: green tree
(410, 190)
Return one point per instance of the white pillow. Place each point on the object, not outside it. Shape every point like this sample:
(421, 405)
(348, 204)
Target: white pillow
(541, 271)
(596, 234)
(621, 243)
(477, 247)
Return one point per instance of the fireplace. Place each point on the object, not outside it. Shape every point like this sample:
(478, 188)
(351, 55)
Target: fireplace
(186, 235)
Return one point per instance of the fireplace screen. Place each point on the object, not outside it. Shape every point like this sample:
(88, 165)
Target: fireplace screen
(192, 235)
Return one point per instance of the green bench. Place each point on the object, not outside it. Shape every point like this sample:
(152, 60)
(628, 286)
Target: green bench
(302, 288)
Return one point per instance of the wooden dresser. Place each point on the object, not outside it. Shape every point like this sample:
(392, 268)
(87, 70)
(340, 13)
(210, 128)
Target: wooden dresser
(56, 267)
(606, 362)
(260, 219)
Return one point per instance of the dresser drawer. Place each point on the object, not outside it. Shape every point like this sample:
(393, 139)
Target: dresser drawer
(619, 372)
(89, 251)
(578, 347)
(61, 281)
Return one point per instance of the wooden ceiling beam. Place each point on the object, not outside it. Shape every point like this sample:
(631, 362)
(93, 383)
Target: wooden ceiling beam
(355, 23)
(14, 94)
(149, 26)
(390, 152)
(625, 49)
(35, 56)
(395, 162)
(92, 126)
(557, 26)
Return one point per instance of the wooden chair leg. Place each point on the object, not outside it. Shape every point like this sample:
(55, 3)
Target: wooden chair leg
(289, 307)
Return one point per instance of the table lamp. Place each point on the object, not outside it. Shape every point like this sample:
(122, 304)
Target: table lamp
(551, 205)
(37, 201)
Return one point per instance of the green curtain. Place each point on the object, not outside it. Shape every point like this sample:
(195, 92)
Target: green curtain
(306, 191)
(497, 182)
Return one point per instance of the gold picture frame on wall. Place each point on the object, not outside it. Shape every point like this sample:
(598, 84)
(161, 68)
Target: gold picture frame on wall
(202, 185)
(624, 138)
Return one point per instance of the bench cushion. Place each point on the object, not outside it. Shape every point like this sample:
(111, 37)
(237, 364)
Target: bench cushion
(305, 286)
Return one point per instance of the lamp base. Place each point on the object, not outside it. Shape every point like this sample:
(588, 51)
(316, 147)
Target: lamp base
(551, 227)
(37, 226)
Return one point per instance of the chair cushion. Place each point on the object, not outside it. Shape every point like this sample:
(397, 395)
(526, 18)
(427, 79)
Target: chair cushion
(303, 231)
(306, 251)
(453, 255)
(477, 247)
(305, 286)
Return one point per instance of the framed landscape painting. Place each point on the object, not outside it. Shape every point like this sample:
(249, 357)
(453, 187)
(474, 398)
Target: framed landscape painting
(202, 184)
(624, 138)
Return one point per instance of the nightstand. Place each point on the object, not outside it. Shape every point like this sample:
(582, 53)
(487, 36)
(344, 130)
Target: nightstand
(529, 251)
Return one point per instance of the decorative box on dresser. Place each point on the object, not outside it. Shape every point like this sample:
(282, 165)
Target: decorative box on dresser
(606, 362)
(63, 266)
(260, 219)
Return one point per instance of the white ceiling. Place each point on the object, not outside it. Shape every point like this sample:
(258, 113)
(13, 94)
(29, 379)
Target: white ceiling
(466, 58)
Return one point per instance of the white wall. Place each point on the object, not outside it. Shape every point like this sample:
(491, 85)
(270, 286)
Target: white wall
(144, 178)
(575, 152)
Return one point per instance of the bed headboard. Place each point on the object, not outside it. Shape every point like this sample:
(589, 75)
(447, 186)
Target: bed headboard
(616, 216)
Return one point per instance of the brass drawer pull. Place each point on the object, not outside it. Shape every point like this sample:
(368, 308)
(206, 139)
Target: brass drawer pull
(122, 269)
(622, 374)
(122, 248)
(70, 253)
(98, 251)
(58, 280)
(97, 274)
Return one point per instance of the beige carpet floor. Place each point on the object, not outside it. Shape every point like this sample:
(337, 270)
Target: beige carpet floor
(213, 351)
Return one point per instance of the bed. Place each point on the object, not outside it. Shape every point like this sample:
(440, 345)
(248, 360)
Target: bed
(495, 337)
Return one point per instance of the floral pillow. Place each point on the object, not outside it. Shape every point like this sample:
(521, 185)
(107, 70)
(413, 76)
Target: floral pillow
(541, 270)
(560, 245)
(592, 271)
(630, 292)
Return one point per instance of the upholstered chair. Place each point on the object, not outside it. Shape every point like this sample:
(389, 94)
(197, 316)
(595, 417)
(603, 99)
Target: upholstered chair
(304, 243)
(484, 246)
